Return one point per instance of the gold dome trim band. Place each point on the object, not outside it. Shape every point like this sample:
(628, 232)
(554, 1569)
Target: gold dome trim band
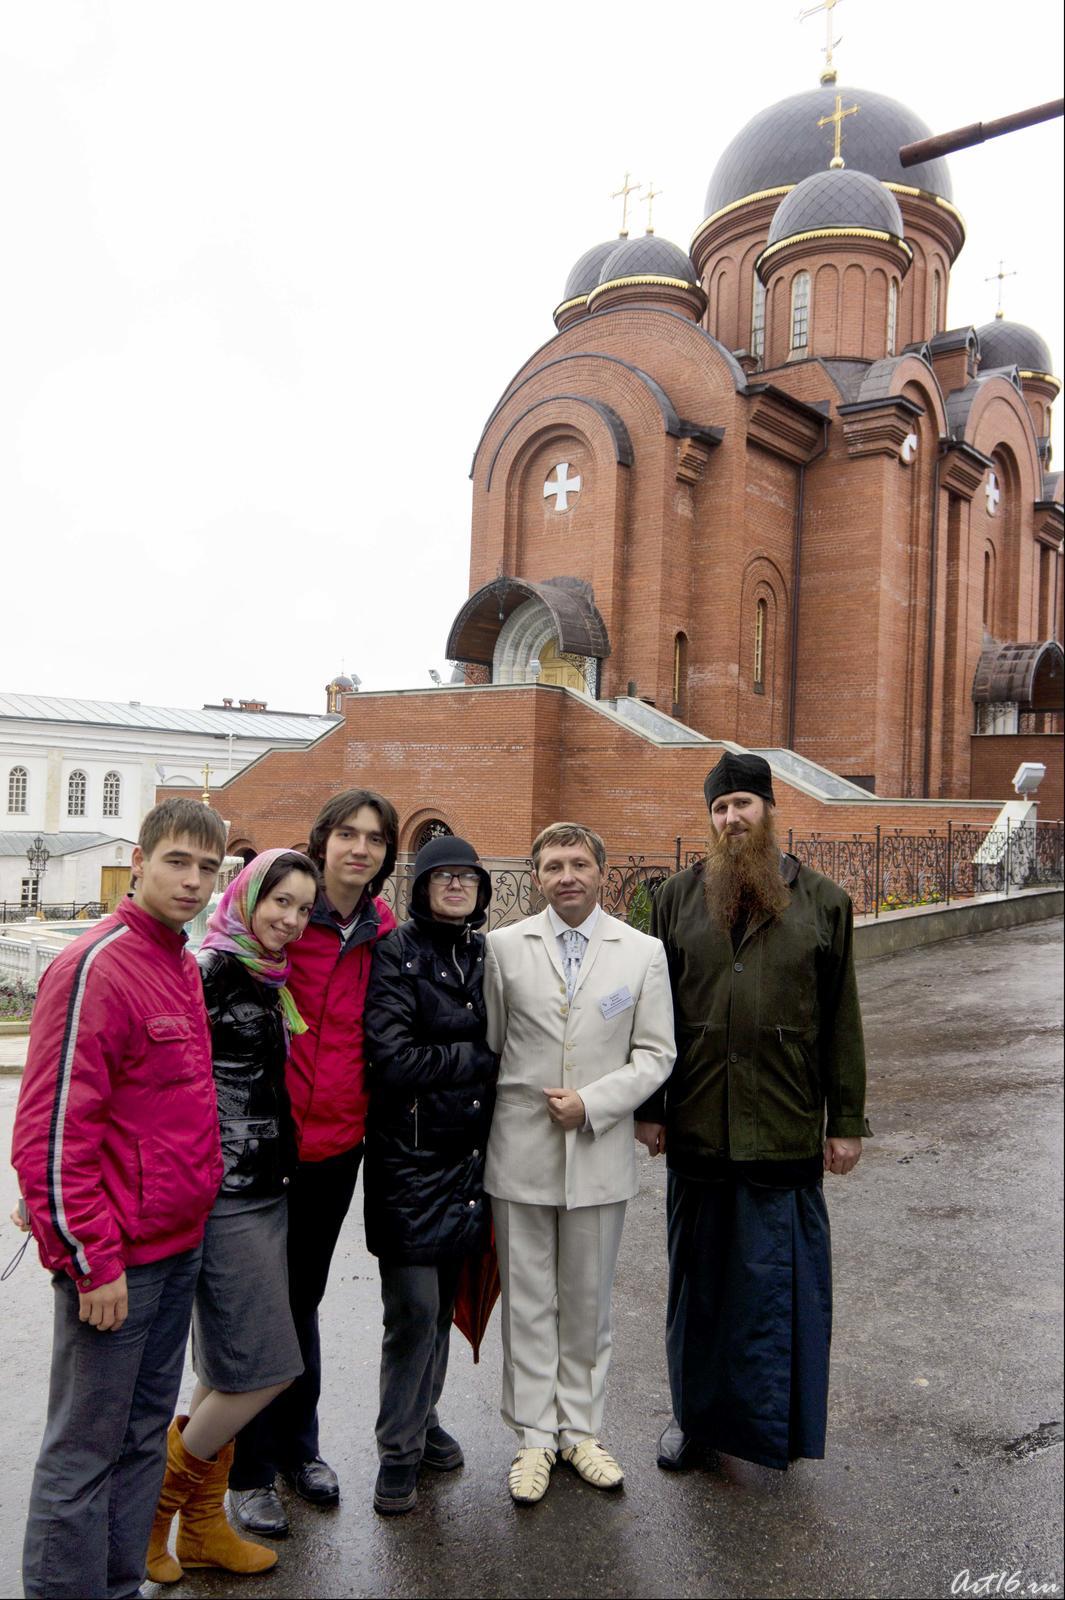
(925, 194)
(1038, 377)
(578, 300)
(734, 205)
(834, 233)
(786, 188)
(670, 283)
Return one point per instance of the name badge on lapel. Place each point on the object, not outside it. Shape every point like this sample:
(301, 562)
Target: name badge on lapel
(613, 1004)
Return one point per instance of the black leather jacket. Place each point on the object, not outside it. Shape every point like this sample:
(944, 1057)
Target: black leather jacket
(249, 1047)
(431, 1078)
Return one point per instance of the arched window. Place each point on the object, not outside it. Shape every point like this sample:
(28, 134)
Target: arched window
(18, 788)
(680, 675)
(892, 315)
(989, 587)
(761, 612)
(935, 302)
(112, 806)
(758, 319)
(77, 787)
(435, 828)
(800, 313)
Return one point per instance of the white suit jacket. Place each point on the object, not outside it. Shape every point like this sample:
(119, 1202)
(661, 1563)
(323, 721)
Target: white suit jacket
(613, 1043)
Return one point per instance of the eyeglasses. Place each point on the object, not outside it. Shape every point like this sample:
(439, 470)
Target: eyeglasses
(443, 877)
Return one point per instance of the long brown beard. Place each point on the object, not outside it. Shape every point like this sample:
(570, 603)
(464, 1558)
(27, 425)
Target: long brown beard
(741, 880)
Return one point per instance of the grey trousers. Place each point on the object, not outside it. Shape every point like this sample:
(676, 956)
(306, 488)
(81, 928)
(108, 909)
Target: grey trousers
(418, 1304)
(100, 1470)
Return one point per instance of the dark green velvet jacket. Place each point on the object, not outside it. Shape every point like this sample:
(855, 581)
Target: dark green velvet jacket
(770, 1055)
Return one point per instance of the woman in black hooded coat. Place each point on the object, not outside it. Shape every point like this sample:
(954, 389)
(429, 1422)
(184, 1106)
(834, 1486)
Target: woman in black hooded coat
(431, 1079)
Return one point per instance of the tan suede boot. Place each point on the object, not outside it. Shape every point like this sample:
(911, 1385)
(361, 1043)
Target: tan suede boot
(205, 1538)
(162, 1568)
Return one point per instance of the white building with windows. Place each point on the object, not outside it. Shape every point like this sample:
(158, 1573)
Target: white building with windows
(87, 770)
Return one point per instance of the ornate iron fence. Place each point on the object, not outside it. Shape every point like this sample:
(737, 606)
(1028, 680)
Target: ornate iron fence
(883, 870)
(51, 911)
(888, 870)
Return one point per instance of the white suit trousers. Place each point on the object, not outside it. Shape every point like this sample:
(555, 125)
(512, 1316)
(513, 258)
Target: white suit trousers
(556, 1268)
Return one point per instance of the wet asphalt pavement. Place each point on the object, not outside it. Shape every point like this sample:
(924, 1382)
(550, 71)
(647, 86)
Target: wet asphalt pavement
(945, 1425)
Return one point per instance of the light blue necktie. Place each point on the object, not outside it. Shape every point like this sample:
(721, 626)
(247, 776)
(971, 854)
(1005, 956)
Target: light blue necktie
(573, 944)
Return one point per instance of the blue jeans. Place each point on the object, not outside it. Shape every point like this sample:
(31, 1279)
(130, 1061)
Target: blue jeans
(100, 1470)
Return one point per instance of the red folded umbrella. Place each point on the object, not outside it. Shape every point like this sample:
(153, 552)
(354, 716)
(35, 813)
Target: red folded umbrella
(477, 1293)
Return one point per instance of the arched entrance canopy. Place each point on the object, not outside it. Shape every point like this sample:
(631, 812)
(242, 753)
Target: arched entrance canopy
(1031, 676)
(579, 628)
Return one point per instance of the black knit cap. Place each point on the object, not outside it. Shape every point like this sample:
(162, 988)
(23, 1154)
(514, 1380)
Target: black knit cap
(448, 851)
(733, 773)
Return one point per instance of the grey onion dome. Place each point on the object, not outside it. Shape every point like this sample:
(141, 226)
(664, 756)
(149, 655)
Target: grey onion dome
(584, 274)
(1012, 344)
(783, 144)
(648, 257)
(840, 198)
(342, 681)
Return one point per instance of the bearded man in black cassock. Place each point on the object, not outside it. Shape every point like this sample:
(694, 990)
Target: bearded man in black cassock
(767, 1094)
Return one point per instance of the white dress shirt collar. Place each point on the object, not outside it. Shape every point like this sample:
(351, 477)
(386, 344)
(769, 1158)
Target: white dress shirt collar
(587, 927)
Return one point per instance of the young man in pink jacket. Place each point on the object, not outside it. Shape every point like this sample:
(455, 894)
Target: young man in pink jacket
(117, 1151)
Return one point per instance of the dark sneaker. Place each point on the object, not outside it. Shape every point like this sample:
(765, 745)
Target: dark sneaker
(259, 1511)
(395, 1491)
(442, 1452)
(314, 1481)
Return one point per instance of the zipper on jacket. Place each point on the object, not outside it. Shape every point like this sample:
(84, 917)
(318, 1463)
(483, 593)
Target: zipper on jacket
(414, 1108)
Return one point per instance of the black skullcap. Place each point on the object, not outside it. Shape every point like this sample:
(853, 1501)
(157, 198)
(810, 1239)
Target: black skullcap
(733, 772)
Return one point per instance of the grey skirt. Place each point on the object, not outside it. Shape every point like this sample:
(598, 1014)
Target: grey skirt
(242, 1332)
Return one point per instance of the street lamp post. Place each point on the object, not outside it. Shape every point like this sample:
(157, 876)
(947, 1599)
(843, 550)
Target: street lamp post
(37, 857)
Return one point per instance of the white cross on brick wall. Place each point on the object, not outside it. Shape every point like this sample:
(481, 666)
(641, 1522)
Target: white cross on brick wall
(562, 487)
(993, 493)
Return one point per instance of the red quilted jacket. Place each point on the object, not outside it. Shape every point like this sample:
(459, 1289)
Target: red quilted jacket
(116, 1136)
(325, 1065)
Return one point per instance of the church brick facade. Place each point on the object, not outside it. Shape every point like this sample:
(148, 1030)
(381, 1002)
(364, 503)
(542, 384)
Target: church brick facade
(762, 494)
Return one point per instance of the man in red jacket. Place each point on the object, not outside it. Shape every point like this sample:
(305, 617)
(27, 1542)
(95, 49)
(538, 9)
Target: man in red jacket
(353, 841)
(117, 1152)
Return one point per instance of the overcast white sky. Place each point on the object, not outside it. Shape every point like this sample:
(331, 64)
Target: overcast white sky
(268, 266)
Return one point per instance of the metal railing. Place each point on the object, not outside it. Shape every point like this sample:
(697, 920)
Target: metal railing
(52, 911)
(882, 870)
(888, 870)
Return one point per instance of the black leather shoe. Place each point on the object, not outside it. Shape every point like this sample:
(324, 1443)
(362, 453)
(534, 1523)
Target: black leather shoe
(314, 1481)
(259, 1511)
(676, 1451)
(441, 1452)
(396, 1491)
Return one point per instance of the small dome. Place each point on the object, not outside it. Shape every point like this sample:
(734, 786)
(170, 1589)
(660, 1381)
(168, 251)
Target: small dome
(647, 257)
(783, 144)
(1011, 344)
(584, 275)
(343, 682)
(838, 198)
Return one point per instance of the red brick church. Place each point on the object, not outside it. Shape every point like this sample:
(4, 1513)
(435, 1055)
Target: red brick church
(763, 493)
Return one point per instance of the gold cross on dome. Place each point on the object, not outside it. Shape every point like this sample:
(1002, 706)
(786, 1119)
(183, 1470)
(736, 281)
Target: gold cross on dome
(999, 277)
(828, 74)
(837, 118)
(650, 195)
(622, 194)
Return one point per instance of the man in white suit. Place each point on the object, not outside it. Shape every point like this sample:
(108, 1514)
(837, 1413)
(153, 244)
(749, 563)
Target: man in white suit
(579, 1010)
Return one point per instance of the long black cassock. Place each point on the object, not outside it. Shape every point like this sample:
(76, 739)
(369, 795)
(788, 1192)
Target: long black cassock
(749, 1319)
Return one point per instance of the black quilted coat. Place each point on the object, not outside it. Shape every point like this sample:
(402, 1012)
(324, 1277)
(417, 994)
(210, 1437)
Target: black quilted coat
(248, 1049)
(431, 1079)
